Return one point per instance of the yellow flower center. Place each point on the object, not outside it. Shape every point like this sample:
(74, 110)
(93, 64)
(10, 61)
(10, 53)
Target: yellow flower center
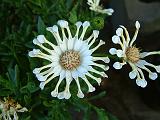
(70, 60)
(133, 54)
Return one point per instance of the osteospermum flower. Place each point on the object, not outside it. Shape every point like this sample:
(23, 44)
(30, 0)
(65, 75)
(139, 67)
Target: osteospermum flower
(133, 56)
(94, 6)
(9, 108)
(70, 59)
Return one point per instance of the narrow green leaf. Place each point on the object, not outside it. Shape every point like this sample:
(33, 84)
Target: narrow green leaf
(41, 26)
(101, 114)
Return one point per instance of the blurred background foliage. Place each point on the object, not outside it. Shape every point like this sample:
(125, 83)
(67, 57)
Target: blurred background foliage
(20, 22)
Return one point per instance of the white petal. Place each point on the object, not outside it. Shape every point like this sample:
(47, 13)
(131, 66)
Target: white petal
(153, 76)
(67, 95)
(68, 82)
(41, 38)
(141, 63)
(55, 28)
(137, 24)
(86, 24)
(84, 47)
(82, 70)
(57, 70)
(42, 84)
(54, 93)
(61, 95)
(62, 23)
(36, 71)
(91, 89)
(24, 109)
(80, 95)
(86, 60)
(117, 65)
(63, 47)
(41, 77)
(95, 33)
(143, 54)
(109, 11)
(78, 24)
(119, 53)
(36, 42)
(113, 51)
(70, 44)
(86, 53)
(34, 52)
(158, 68)
(132, 74)
(58, 50)
(119, 31)
(115, 39)
(62, 74)
(142, 83)
(75, 74)
(106, 60)
(77, 45)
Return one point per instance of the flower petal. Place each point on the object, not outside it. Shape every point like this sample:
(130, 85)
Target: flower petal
(142, 83)
(117, 65)
(132, 74)
(153, 75)
(113, 51)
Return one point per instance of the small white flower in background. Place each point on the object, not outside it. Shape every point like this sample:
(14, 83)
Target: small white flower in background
(70, 59)
(94, 6)
(9, 108)
(131, 54)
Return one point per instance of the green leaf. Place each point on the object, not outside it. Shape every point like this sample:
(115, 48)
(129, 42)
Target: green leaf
(100, 95)
(36, 2)
(41, 26)
(27, 99)
(30, 87)
(47, 104)
(111, 117)
(73, 15)
(16, 76)
(101, 114)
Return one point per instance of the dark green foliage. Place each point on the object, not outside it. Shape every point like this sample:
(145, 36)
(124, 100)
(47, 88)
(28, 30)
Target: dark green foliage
(20, 22)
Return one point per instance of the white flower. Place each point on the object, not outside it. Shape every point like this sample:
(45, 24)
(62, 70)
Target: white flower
(94, 6)
(70, 59)
(131, 54)
(9, 108)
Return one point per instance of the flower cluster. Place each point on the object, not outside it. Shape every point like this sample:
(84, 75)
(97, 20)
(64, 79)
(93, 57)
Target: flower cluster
(133, 56)
(70, 59)
(9, 108)
(94, 6)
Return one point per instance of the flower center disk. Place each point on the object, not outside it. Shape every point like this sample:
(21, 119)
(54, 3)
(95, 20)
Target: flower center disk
(133, 54)
(70, 60)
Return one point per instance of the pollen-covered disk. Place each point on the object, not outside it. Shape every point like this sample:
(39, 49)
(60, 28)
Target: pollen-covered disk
(131, 54)
(70, 59)
(9, 109)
